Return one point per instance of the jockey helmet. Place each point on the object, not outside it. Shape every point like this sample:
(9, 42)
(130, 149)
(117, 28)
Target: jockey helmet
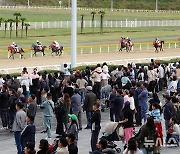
(37, 41)
(13, 43)
(127, 38)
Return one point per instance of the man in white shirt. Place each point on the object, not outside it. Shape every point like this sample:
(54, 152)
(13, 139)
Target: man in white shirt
(161, 76)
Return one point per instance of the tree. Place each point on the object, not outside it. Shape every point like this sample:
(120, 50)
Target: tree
(5, 27)
(82, 23)
(17, 15)
(1, 20)
(10, 26)
(26, 25)
(22, 25)
(101, 19)
(93, 17)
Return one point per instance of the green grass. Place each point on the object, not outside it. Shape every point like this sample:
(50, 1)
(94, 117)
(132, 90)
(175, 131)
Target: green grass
(131, 4)
(40, 15)
(109, 36)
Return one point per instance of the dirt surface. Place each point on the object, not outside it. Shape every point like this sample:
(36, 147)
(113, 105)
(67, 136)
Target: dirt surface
(84, 58)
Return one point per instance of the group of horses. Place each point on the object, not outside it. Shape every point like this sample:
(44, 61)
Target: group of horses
(127, 45)
(35, 48)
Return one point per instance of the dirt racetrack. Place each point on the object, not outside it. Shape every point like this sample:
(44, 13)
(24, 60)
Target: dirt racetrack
(83, 58)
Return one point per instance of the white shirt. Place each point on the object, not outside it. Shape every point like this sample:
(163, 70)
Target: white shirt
(105, 76)
(131, 100)
(172, 87)
(161, 72)
(135, 152)
(176, 129)
(63, 150)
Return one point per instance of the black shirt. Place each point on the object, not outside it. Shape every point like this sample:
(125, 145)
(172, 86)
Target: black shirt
(128, 114)
(73, 149)
(96, 120)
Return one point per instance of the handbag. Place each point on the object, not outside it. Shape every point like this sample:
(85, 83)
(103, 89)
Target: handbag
(121, 131)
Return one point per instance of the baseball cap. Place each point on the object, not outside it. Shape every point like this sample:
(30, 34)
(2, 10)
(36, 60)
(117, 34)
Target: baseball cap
(89, 88)
(72, 116)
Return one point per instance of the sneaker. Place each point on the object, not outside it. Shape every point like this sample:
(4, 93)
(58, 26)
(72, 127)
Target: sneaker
(87, 128)
(48, 138)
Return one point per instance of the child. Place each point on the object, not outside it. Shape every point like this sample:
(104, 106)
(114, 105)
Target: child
(95, 125)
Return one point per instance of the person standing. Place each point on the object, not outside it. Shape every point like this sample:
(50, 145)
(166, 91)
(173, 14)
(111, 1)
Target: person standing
(72, 147)
(90, 98)
(76, 106)
(4, 107)
(28, 133)
(143, 102)
(48, 108)
(169, 111)
(11, 107)
(18, 126)
(95, 125)
(32, 106)
(118, 102)
(112, 96)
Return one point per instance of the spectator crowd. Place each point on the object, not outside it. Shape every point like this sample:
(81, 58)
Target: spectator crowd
(130, 95)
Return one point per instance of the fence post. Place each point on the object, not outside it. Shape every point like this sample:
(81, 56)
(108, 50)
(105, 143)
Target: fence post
(175, 45)
(111, 23)
(106, 23)
(84, 23)
(91, 50)
(140, 47)
(116, 24)
(132, 48)
(147, 47)
(108, 48)
(95, 24)
(117, 47)
(48, 24)
(61, 24)
(121, 23)
(169, 45)
(31, 53)
(126, 22)
(67, 24)
(42, 25)
(81, 51)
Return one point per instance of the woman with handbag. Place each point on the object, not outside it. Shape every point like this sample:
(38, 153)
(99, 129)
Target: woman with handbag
(128, 121)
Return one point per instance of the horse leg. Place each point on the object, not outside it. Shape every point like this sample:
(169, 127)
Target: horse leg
(60, 53)
(10, 56)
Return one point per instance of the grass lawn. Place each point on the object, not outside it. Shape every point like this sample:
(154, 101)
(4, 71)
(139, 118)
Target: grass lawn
(62, 15)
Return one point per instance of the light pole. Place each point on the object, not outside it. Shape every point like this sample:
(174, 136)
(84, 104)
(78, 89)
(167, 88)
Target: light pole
(156, 6)
(73, 33)
(28, 4)
(112, 5)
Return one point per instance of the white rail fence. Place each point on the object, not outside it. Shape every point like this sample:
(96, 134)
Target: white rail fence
(107, 23)
(87, 9)
(103, 48)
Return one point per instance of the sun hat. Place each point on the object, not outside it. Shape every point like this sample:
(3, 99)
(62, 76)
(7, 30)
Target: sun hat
(98, 70)
(89, 88)
(72, 116)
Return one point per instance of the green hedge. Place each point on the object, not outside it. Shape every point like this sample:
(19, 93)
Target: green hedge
(93, 66)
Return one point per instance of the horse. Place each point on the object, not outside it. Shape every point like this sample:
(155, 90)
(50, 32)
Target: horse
(158, 45)
(14, 51)
(36, 49)
(127, 45)
(58, 51)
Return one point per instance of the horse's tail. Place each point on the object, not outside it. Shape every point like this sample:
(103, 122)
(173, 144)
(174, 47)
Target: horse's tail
(22, 50)
(162, 42)
(44, 46)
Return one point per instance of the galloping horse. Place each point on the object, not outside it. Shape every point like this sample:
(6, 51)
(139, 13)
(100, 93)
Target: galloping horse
(36, 49)
(14, 51)
(58, 51)
(126, 44)
(158, 45)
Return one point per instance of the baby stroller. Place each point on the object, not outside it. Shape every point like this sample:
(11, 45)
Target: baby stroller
(110, 133)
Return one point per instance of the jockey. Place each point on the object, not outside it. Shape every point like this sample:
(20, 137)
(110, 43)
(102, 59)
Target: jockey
(15, 47)
(157, 40)
(39, 45)
(56, 44)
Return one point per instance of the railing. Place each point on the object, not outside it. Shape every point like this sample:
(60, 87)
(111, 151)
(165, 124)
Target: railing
(88, 24)
(102, 48)
(87, 9)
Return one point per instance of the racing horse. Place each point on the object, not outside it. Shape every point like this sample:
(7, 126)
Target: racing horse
(158, 46)
(126, 44)
(36, 49)
(14, 51)
(58, 51)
